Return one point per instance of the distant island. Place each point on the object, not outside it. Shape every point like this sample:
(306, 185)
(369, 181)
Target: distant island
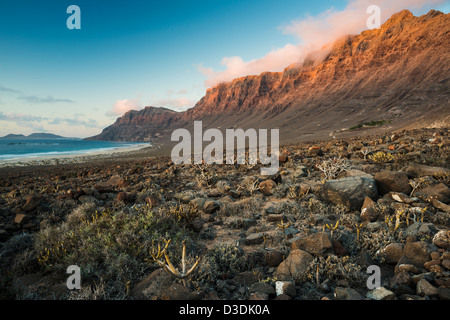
(39, 135)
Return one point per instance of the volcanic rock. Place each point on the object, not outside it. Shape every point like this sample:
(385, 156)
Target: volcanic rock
(350, 191)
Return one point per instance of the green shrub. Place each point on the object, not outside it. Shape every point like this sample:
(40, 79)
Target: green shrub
(111, 245)
(221, 262)
(373, 123)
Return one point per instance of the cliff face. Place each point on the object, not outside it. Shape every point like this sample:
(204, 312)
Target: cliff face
(144, 125)
(399, 73)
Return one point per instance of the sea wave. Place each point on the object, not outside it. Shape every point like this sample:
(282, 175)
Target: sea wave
(80, 152)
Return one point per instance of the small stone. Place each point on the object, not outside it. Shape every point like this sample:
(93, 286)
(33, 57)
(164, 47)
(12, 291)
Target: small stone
(263, 288)
(408, 268)
(266, 187)
(283, 157)
(437, 269)
(339, 249)
(300, 171)
(419, 252)
(438, 191)
(435, 255)
(380, 293)
(368, 212)
(393, 252)
(283, 297)
(442, 239)
(273, 258)
(403, 289)
(276, 217)
(401, 278)
(87, 199)
(315, 151)
(392, 181)
(122, 197)
(254, 238)
(20, 218)
(285, 287)
(211, 295)
(317, 243)
(258, 296)
(246, 278)
(294, 266)
(419, 229)
(341, 293)
(440, 205)
(427, 276)
(401, 197)
(177, 291)
(424, 288)
(4, 235)
(443, 293)
(446, 263)
(428, 265)
(29, 226)
(211, 206)
(197, 224)
(152, 285)
(31, 203)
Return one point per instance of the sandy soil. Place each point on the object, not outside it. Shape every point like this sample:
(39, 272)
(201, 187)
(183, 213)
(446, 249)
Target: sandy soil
(75, 158)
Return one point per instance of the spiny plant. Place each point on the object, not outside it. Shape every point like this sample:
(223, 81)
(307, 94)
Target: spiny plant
(332, 228)
(167, 265)
(292, 193)
(205, 173)
(49, 255)
(414, 214)
(365, 152)
(418, 183)
(381, 157)
(358, 227)
(394, 221)
(443, 177)
(156, 252)
(250, 186)
(182, 212)
(283, 227)
(331, 168)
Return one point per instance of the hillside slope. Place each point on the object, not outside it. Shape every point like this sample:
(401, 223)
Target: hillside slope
(398, 73)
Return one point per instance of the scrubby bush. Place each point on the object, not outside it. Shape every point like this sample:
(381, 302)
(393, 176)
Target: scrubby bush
(334, 269)
(223, 261)
(246, 208)
(381, 157)
(110, 245)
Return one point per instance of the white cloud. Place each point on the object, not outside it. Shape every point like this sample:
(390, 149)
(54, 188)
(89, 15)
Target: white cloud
(312, 32)
(122, 106)
(275, 60)
(177, 104)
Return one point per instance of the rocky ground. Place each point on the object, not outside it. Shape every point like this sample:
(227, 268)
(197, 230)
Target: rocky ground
(311, 231)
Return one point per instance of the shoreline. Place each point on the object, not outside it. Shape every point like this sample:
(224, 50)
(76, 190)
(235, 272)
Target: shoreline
(73, 158)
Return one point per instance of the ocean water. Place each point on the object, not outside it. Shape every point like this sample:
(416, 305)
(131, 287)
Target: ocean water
(29, 148)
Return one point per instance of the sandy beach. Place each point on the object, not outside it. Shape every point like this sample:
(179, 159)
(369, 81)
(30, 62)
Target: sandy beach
(74, 158)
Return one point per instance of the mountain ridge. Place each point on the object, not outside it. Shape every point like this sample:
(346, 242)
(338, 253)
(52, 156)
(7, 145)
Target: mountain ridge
(398, 73)
(36, 135)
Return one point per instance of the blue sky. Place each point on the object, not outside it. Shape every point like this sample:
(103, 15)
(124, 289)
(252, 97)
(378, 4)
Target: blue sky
(131, 54)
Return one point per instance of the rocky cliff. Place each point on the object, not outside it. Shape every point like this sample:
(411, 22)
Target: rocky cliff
(397, 75)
